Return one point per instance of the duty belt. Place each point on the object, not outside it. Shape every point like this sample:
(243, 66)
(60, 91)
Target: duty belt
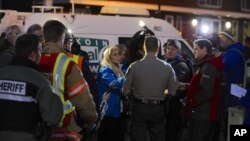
(148, 101)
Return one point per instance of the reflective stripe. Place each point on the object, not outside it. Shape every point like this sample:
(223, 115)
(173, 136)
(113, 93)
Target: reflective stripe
(66, 135)
(17, 98)
(83, 85)
(75, 86)
(75, 58)
(57, 72)
(67, 108)
(59, 75)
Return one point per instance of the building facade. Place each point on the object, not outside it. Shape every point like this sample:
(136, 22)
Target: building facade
(193, 18)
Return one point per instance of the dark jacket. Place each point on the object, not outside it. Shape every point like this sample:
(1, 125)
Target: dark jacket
(7, 52)
(183, 74)
(90, 78)
(247, 52)
(234, 62)
(203, 98)
(181, 69)
(26, 99)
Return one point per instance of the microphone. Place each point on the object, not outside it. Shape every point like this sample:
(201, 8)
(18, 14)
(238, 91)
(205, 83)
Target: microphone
(103, 107)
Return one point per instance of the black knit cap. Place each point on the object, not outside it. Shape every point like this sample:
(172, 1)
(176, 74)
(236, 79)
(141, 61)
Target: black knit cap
(174, 43)
(227, 34)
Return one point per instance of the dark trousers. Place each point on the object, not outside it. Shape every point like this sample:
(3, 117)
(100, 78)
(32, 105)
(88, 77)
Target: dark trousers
(147, 118)
(111, 129)
(202, 130)
(174, 120)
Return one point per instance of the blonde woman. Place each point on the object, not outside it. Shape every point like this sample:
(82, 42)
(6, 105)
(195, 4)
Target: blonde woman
(123, 51)
(110, 78)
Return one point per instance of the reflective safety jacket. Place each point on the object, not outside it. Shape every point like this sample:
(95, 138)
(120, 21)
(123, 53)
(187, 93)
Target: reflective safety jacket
(87, 74)
(77, 59)
(56, 67)
(65, 75)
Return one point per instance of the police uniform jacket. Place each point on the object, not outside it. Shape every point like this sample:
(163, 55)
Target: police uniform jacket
(26, 98)
(149, 78)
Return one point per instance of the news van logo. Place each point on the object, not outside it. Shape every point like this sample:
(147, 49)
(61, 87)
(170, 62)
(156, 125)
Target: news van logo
(93, 53)
(94, 48)
(239, 132)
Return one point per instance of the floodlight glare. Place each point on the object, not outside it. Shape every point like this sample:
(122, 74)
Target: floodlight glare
(141, 23)
(194, 22)
(69, 31)
(204, 29)
(228, 25)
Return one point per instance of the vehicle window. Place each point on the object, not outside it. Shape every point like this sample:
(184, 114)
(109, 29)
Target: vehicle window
(245, 5)
(187, 52)
(124, 40)
(210, 3)
(1, 15)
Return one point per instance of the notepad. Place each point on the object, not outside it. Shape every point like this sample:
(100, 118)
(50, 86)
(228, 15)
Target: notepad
(238, 91)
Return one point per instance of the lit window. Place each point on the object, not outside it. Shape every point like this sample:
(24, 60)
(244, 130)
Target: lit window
(210, 3)
(245, 5)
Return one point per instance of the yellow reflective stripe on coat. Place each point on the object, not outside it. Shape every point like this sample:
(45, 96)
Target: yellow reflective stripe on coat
(59, 74)
(77, 59)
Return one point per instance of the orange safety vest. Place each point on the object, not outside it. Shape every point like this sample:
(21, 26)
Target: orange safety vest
(77, 59)
(56, 67)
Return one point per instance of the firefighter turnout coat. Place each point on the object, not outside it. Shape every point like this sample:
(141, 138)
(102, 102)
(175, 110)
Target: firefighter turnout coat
(69, 84)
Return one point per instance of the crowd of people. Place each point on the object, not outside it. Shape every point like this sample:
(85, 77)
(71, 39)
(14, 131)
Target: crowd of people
(47, 91)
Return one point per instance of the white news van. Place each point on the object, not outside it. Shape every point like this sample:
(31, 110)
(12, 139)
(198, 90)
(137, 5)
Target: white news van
(97, 31)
